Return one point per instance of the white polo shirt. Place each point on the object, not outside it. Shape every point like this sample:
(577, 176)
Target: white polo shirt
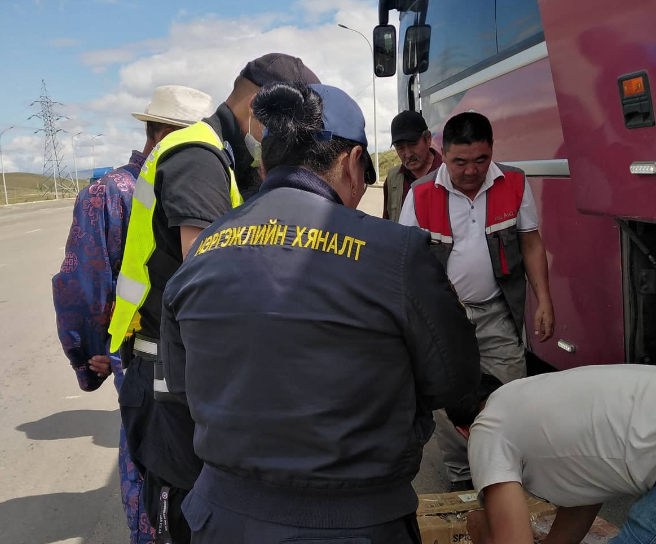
(576, 437)
(469, 267)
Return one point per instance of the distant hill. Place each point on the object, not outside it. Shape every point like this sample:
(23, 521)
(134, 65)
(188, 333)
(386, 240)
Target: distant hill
(23, 187)
(386, 160)
(22, 180)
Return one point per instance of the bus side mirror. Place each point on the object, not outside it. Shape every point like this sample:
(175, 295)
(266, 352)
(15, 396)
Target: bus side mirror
(384, 50)
(416, 49)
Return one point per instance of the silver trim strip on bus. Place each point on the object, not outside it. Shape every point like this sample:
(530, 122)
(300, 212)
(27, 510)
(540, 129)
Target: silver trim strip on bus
(526, 57)
(553, 168)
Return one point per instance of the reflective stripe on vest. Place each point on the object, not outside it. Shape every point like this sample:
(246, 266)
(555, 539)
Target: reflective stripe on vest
(437, 237)
(501, 226)
(504, 199)
(134, 282)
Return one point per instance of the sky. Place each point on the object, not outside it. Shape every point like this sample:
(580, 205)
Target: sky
(101, 59)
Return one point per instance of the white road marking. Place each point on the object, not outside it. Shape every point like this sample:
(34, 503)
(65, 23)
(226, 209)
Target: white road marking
(31, 231)
(72, 397)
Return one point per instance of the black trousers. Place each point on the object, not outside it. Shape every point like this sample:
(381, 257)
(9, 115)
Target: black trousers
(213, 524)
(137, 403)
(142, 423)
(178, 528)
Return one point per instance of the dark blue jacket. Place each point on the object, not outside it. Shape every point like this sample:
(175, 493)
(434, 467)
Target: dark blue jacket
(312, 342)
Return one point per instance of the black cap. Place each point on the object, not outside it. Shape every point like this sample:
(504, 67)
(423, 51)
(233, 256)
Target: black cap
(277, 68)
(408, 126)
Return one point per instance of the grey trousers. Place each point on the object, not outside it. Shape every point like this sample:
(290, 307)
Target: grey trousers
(502, 355)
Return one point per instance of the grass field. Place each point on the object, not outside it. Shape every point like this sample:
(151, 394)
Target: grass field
(22, 187)
(387, 160)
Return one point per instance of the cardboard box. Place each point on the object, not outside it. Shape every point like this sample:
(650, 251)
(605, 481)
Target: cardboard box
(443, 517)
(600, 532)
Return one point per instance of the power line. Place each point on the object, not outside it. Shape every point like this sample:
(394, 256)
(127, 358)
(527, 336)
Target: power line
(364, 89)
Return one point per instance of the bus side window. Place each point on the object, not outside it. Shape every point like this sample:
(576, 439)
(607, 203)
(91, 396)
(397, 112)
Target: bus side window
(463, 34)
(517, 21)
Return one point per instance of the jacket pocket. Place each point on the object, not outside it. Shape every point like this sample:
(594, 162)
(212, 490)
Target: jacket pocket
(509, 255)
(196, 512)
(131, 394)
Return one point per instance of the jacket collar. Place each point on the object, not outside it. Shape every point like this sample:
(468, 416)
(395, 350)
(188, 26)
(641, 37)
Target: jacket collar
(437, 162)
(442, 178)
(299, 178)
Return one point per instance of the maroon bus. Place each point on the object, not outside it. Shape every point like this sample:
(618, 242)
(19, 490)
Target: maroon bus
(566, 85)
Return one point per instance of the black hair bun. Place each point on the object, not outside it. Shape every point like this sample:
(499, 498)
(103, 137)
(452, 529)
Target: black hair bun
(289, 111)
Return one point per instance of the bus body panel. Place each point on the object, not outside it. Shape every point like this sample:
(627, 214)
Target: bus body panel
(591, 44)
(585, 278)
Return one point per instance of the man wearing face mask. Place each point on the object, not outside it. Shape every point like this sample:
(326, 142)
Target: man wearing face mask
(190, 180)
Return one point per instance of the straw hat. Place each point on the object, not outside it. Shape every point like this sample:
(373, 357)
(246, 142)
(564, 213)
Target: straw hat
(177, 105)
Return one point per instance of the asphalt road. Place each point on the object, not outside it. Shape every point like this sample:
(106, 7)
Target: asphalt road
(58, 445)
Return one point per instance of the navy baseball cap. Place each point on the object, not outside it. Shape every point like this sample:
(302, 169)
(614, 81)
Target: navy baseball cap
(343, 117)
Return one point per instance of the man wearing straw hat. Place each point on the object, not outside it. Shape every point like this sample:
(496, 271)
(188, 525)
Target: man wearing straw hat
(84, 290)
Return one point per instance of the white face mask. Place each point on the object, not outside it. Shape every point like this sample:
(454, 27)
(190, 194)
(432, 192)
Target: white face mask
(254, 147)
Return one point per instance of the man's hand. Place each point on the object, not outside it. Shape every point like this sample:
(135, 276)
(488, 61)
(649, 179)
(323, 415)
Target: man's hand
(535, 261)
(572, 524)
(544, 321)
(477, 527)
(100, 365)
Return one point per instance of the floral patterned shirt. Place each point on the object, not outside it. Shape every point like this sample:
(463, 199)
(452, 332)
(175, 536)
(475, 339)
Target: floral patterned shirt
(84, 290)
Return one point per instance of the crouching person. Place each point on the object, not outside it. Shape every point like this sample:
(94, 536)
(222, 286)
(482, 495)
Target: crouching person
(575, 438)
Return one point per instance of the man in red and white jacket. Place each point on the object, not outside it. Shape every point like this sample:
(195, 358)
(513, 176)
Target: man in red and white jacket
(484, 227)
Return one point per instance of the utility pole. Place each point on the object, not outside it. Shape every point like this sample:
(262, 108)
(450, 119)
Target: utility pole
(57, 179)
(2, 163)
(93, 154)
(77, 181)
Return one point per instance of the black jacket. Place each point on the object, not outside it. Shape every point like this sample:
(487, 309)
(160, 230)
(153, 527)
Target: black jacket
(312, 342)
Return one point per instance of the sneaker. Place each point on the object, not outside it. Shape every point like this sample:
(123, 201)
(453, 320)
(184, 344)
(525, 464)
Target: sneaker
(461, 485)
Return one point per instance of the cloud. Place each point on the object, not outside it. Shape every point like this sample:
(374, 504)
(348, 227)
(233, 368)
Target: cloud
(208, 53)
(122, 55)
(64, 42)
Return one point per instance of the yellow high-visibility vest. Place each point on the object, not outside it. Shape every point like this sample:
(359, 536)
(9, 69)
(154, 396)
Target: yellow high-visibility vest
(133, 281)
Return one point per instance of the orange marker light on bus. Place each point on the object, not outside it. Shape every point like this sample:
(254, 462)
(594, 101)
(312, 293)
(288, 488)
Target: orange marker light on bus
(633, 86)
